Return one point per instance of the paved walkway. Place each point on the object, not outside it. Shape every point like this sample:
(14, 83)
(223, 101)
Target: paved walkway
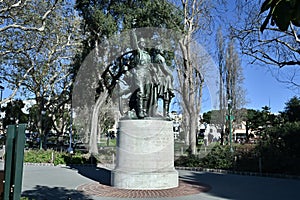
(62, 183)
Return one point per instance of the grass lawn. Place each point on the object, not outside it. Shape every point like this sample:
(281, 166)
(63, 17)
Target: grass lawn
(105, 142)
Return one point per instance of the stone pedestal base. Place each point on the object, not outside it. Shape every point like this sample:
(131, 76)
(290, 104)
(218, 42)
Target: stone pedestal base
(145, 181)
(145, 155)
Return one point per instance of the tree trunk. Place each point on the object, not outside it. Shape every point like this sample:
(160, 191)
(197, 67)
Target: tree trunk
(93, 149)
(192, 132)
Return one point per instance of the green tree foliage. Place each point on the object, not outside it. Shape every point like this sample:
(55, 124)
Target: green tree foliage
(105, 18)
(291, 112)
(213, 117)
(280, 150)
(281, 13)
(253, 119)
(13, 113)
(279, 144)
(260, 120)
(278, 147)
(206, 117)
(38, 121)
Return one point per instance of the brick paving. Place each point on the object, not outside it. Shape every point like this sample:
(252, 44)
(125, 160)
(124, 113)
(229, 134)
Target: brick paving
(185, 188)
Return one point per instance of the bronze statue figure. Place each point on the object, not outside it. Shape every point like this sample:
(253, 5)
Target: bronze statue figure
(164, 89)
(154, 80)
(146, 78)
(142, 78)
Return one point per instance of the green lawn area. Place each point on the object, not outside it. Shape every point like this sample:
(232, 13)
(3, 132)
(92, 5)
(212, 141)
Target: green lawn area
(104, 142)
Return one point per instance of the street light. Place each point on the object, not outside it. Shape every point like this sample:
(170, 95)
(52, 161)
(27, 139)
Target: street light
(230, 118)
(43, 113)
(70, 149)
(1, 90)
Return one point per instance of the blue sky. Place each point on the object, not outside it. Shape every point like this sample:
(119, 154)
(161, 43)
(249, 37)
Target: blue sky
(263, 89)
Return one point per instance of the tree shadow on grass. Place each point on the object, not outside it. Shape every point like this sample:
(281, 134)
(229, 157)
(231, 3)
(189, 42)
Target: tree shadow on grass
(54, 193)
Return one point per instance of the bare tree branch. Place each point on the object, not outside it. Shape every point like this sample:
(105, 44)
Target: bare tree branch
(22, 27)
(294, 32)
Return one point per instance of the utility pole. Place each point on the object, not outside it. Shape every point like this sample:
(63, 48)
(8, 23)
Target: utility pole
(230, 118)
(70, 149)
(1, 90)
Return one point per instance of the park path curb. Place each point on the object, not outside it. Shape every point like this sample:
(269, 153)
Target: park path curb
(271, 175)
(60, 165)
(198, 169)
(38, 164)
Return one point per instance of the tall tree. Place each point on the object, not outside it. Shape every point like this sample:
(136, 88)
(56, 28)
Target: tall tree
(252, 120)
(231, 91)
(190, 70)
(40, 62)
(221, 58)
(234, 80)
(235, 93)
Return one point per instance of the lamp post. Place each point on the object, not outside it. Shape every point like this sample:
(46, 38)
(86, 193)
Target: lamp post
(43, 112)
(1, 90)
(70, 149)
(230, 118)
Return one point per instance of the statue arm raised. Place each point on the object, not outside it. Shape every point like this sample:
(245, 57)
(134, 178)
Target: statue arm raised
(134, 40)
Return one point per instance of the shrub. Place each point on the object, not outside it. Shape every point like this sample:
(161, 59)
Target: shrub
(220, 157)
(49, 156)
(77, 158)
(188, 161)
(38, 156)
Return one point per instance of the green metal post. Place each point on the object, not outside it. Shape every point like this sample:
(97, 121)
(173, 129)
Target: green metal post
(14, 157)
(9, 150)
(230, 119)
(18, 161)
(230, 127)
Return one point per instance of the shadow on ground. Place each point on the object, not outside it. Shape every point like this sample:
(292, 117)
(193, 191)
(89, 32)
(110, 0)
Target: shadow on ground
(94, 173)
(55, 193)
(229, 186)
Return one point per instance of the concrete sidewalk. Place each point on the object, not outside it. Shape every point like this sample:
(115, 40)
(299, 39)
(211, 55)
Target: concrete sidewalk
(60, 183)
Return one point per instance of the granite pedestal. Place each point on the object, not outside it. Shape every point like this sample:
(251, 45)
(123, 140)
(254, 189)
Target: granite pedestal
(145, 155)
